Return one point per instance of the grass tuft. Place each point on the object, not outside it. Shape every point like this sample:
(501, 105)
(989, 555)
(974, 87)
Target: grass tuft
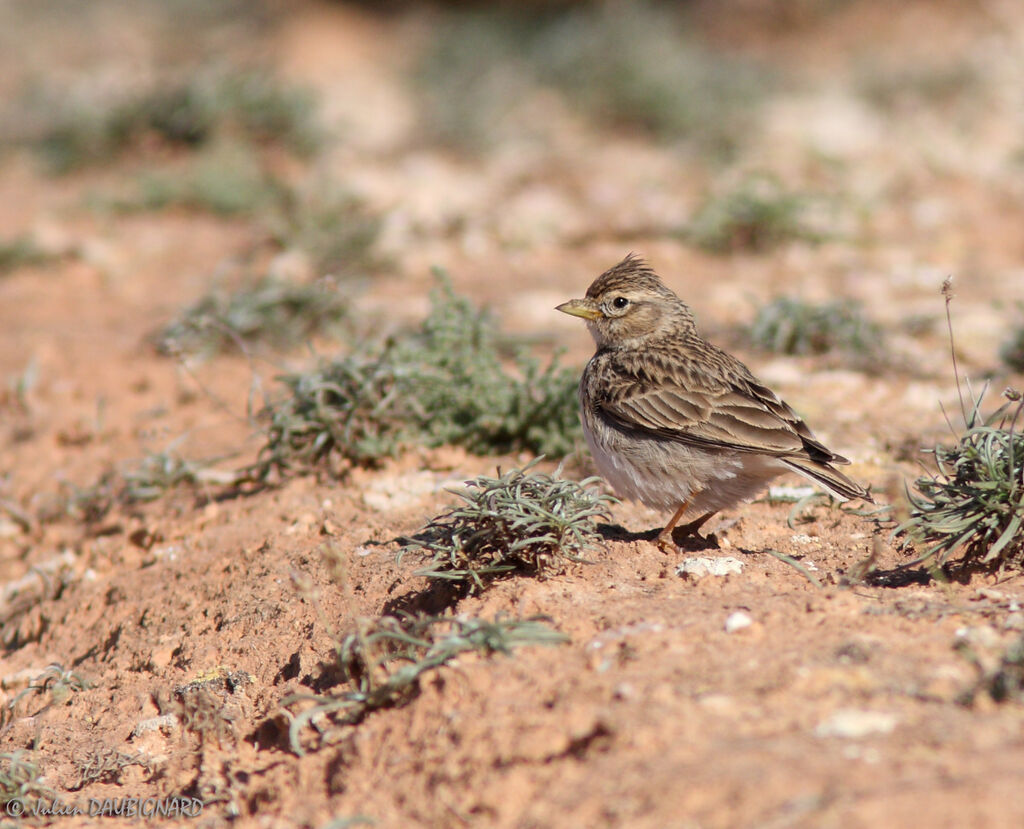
(272, 311)
(443, 383)
(20, 780)
(1012, 350)
(331, 227)
(632, 66)
(157, 473)
(383, 661)
(974, 502)
(227, 180)
(1004, 683)
(756, 215)
(521, 520)
(788, 325)
(249, 105)
(21, 252)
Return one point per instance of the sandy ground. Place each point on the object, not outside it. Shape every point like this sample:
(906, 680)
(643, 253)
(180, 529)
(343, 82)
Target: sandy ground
(837, 705)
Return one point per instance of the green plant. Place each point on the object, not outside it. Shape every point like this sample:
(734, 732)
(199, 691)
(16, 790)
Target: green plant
(521, 520)
(22, 251)
(756, 215)
(20, 779)
(974, 502)
(632, 66)
(228, 180)
(158, 472)
(443, 383)
(1012, 350)
(333, 228)
(1005, 682)
(892, 88)
(251, 105)
(788, 325)
(383, 661)
(273, 311)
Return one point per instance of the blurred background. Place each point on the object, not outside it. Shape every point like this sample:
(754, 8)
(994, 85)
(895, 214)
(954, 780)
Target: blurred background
(822, 149)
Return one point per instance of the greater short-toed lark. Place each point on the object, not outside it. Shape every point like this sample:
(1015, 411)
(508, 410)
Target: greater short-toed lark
(676, 422)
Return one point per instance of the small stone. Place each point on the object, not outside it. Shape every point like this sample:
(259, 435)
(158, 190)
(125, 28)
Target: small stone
(737, 621)
(703, 566)
(851, 723)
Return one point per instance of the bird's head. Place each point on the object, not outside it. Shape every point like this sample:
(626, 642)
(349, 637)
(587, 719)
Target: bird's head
(628, 306)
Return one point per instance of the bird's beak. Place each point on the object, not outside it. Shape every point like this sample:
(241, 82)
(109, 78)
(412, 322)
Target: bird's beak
(580, 308)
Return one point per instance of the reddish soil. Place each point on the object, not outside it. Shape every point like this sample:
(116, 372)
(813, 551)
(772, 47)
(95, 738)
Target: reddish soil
(837, 706)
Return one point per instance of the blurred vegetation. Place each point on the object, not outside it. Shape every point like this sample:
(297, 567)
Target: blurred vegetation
(20, 252)
(270, 311)
(522, 520)
(1012, 350)
(1004, 682)
(892, 89)
(442, 383)
(191, 113)
(789, 325)
(628, 65)
(974, 502)
(228, 180)
(22, 780)
(330, 227)
(757, 214)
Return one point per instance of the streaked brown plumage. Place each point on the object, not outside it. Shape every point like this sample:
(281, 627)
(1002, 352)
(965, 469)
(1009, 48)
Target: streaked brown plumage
(676, 422)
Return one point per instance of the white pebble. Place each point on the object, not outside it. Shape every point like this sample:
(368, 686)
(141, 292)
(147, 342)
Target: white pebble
(703, 566)
(852, 723)
(737, 621)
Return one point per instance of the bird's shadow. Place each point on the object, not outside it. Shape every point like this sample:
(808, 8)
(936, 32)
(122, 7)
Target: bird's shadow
(685, 543)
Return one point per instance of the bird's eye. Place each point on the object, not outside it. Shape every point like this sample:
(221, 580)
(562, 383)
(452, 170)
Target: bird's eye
(620, 302)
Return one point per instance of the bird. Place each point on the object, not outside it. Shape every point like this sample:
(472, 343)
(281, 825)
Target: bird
(676, 422)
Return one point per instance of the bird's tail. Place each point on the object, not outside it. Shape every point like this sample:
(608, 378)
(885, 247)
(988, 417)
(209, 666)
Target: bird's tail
(829, 477)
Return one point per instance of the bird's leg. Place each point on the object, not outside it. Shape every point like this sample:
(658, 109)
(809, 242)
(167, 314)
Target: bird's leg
(665, 540)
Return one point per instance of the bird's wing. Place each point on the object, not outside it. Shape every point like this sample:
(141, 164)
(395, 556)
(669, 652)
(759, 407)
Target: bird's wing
(729, 410)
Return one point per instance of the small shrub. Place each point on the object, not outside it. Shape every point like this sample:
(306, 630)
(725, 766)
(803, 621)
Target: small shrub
(1012, 350)
(271, 311)
(974, 502)
(755, 216)
(521, 520)
(21, 780)
(20, 252)
(892, 89)
(1004, 683)
(443, 383)
(329, 226)
(383, 662)
(788, 325)
(632, 66)
(191, 113)
(333, 228)
(229, 180)
(157, 473)
(55, 684)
